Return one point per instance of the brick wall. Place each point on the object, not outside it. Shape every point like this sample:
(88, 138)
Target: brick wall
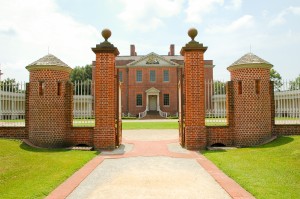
(281, 130)
(13, 133)
(80, 135)
(220, 134)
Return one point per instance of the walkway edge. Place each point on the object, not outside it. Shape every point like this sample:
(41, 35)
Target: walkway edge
(66, 188)
(227, 183)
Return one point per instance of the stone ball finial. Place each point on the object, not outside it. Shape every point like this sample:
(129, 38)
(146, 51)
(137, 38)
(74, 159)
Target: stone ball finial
(106, 33)
(192, 33)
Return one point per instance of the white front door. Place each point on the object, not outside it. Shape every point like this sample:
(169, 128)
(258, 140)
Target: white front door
(152, 102)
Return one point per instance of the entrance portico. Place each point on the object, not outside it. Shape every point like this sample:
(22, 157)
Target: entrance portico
(152, 99)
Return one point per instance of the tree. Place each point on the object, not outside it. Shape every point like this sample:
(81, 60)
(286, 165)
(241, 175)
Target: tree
(276, 78)
(295, 85)
(81, 73)
(219, 87)
(81, 77)
(10, 85)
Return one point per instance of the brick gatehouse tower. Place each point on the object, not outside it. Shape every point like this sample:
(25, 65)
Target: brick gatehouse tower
(252, 100)
(49, 107)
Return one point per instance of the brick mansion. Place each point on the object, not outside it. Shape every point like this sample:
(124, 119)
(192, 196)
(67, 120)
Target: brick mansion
(150, 82)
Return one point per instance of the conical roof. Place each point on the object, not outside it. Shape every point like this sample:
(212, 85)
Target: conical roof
(250, 60)
(49, 62)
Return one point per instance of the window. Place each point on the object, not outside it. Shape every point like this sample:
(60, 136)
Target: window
(58, 88)
(166, 75)
(139, 100)
(257, 86)
(120, 76)
(240, 87)
(139, 77)
(41, 88)
(166, 100)
(152, 76)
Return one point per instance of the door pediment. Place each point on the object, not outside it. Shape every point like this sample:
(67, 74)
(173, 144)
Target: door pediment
(152, 90)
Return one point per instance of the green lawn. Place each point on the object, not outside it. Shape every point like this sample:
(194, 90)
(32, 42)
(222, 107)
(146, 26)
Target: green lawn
(26, 172)
(268, 171)
(149, 125)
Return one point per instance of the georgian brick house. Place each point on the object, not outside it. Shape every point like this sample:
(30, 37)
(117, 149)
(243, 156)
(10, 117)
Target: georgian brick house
(150, 82)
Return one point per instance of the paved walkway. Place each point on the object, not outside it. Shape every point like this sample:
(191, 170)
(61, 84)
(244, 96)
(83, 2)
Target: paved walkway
(150, 164)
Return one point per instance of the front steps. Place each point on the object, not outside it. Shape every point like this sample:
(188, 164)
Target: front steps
(151, 115)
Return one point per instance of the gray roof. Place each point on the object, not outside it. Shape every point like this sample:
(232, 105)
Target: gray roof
(250, 58)
(49, 60)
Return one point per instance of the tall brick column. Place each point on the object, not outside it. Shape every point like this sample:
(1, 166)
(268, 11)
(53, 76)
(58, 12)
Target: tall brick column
(105, 94)
(195, 131)
(252, 100)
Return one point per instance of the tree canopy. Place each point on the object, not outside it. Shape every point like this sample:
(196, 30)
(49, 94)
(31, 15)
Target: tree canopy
(219, 87)
(81, 73)
(11, 85)
(81, 77)
(276, 78)
(295, 85)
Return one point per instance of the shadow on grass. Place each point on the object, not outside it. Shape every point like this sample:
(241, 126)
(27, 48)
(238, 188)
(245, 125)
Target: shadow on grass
(213, 151)
(280, 141)
(26, 147)
(277, 142)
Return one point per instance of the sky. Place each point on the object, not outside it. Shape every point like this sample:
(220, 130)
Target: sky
(229, 28)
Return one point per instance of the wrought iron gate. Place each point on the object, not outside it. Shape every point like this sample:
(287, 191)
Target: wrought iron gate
(181, 110)
(118, 112)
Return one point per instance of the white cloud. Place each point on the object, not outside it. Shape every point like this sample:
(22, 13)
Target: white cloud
(246, 21)
(145, 15)
(234, 4)
(280, 18)
(29, 27)
(196, 9)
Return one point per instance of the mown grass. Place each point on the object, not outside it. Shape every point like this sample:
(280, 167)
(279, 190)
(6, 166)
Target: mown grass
(26, 172)
(268, 171)
(149, 125)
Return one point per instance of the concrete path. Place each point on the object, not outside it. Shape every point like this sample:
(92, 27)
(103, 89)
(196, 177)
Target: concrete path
(149, 164)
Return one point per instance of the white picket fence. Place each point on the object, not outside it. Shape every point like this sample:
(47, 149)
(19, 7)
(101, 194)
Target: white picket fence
(12, 103)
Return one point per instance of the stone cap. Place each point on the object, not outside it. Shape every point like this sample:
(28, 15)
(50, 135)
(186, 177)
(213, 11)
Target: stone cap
(193, 45)
(250, 60)
(49, 62)
(106, 46)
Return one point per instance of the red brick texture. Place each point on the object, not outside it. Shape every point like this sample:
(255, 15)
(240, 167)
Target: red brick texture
(47, 112)
(80, 135)
(130, 88)
(194, 85)
(13, 133)
(284, 130)
(105, 100)
(252, 111)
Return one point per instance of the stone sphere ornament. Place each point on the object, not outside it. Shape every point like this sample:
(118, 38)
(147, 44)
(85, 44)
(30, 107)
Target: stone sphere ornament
(106, 33)
(192, 33)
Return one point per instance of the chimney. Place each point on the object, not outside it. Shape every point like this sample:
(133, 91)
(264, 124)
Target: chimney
(172, 50)
(132, 50)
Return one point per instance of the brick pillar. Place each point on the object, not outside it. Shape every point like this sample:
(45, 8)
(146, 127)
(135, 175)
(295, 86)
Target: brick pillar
(195, 130)
(69, 105)
(105, 94)
(230, 104)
